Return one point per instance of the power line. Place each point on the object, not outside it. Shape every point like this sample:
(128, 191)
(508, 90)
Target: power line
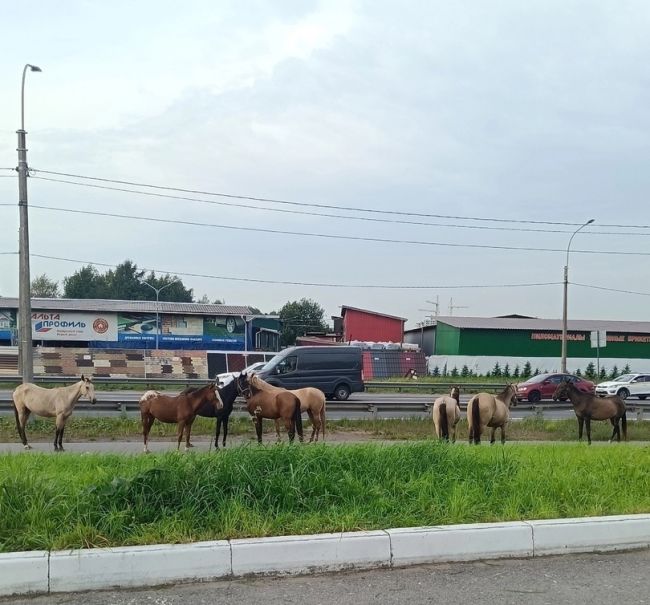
(611, 289)
(327, 215)
(331, 236)
(3, 253)
(297, 283)
(315, 205)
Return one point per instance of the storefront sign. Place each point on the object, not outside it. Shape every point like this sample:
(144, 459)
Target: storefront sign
(73, 325)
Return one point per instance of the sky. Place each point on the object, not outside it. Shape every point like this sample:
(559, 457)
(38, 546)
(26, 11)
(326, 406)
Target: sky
(532, 111)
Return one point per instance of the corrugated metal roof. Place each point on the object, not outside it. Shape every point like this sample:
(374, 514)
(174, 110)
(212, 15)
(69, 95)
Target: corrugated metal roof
(94, 305)
(345, 308)
(585, 325)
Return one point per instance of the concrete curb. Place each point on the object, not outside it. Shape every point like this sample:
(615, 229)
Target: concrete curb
(102, 568)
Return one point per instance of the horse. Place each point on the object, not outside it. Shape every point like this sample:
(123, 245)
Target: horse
(588, 407)
(181, 410)
(312, 401)
(485, 410)
(446, 414)
(274, 405)
(58, 402)
(228, 393)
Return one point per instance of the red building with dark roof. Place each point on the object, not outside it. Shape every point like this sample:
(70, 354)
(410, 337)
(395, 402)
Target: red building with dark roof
(362, 324)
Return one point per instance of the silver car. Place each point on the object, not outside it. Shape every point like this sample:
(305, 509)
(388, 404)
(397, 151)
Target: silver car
(627, 385)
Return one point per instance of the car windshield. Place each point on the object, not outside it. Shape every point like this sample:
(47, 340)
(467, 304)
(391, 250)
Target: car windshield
(624, 378)
(538, 378)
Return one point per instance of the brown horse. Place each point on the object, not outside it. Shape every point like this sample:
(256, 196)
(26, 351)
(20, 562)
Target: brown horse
(312, 401)
(262, 404)
(181, 410)
(446, 414)
(588, 407)
(485, 410)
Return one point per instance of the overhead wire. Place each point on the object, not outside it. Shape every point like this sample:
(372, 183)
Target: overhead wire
(326, 215)
(331, 235)
(317, 205)
(618, 290)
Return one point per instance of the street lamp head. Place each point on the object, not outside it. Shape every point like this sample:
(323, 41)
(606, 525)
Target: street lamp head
(591, 220)
(34, 67)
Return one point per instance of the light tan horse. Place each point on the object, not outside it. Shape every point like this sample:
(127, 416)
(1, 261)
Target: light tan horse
(52, 403)
(181, 410)
(446, 414)
(485, 409)
(273, 405)
(312, 401)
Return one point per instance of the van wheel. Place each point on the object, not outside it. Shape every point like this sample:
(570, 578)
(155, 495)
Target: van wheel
(342, 392)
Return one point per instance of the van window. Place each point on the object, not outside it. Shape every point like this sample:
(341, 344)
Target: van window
(288, 364)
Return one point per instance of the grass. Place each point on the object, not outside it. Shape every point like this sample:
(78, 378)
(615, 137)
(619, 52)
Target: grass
(80, 428)
(82, 501)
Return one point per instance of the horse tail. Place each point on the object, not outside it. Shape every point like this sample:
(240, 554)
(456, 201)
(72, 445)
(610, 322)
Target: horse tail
(297, 418)
(444, 423)
(624, 424)
(322, 419)
(474, 419)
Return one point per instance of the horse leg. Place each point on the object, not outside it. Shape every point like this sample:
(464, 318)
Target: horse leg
(188, 430)
(616, 430)
(23, 416)
(314, 430)
(147, 423)
(258, 427)
(503, 434)
(217, 432)
(492, 433)
(58, 434)
(291, 428)
(225, 429)
(581, 421)
(588, 427)
(180, 428)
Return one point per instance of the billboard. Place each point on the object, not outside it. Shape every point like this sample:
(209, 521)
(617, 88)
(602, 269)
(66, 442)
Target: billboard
(140, 329)
(7, 324)
(73, 325)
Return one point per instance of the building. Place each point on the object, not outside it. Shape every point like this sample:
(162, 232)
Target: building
(124, 324)
(364, 325)
(479, 343)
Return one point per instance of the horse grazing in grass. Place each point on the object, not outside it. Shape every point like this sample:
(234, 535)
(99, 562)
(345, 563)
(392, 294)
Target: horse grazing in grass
(228, 393)
(588, 407)
(181, 410)
(485, 409)
(312, 401)
(446, 414)
(57, 403)
(274, 405)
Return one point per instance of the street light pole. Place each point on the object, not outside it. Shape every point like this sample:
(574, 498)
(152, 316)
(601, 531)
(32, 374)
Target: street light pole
(24, 286)
(566, 289)
(158, 291)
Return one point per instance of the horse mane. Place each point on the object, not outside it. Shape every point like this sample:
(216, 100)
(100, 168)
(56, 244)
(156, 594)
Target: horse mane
(188, 390)
(259, 384)
(503, 394)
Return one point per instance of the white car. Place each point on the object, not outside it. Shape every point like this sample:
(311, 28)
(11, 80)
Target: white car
(254, 367)
(627, 385)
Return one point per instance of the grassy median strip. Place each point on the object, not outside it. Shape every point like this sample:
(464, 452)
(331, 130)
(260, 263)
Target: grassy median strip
(79, 501)
(80, 428)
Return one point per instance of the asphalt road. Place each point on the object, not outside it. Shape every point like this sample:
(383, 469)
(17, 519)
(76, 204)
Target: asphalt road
(593, 579)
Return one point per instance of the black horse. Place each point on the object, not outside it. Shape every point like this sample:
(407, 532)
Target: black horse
(228, 394)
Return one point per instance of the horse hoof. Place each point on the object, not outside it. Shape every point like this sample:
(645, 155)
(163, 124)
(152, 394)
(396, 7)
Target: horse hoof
(189, 445)
(27, 446)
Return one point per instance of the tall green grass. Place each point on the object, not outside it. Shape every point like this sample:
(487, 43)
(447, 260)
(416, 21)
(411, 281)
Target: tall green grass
(72, 501)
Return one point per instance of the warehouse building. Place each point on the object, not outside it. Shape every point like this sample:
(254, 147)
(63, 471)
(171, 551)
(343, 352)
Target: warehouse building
(479, 343)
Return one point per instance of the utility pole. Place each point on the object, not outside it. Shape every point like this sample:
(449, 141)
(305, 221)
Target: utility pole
(158, 291)
(26, 355)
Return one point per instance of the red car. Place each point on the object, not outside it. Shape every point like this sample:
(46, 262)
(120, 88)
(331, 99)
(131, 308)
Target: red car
(543, 386)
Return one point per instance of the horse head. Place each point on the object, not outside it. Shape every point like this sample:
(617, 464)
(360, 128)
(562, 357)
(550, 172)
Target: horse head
(455, 393)
(88, 389)
(562, 390)
(212, 396)
(243, 385)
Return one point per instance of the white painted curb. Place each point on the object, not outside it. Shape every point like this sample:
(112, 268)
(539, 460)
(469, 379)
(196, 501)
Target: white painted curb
(43, 572)
(460, 542)
(590, 534)
(309, 554)
(138, 566)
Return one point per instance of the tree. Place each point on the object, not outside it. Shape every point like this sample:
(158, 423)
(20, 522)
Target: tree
(496, 370)
(44, 287)
(464, 372)
(506, 371)
(626, 369)
(614, 372)
(517, 372)
(124, 283)
(299, 317)
(436, 371)
(454, 372)
(525, 373)
(590, 370)
(602, 375)
(579, 372)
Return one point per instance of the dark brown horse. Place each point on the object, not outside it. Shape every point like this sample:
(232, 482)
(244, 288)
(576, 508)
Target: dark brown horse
(181, 410)
(274, 405)
(588, 407)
